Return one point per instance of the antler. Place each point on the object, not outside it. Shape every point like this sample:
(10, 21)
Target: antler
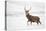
(25, 8)
(30, 8)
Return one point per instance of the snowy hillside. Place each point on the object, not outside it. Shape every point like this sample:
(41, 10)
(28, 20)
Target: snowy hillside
(16, 19)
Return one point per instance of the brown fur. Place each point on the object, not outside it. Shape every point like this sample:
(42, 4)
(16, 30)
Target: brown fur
(32, 18)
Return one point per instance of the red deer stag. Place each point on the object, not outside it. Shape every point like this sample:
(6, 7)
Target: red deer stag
(32, 18)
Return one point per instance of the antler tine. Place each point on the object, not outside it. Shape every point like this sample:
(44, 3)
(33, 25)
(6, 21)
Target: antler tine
(30, 8)
(25, 7)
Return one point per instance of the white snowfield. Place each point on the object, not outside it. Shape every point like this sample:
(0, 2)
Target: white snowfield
(16, 18)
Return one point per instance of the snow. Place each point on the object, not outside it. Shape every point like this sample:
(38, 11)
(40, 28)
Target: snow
(16, 19)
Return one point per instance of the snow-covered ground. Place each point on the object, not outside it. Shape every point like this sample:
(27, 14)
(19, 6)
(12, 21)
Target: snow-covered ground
(16, 19)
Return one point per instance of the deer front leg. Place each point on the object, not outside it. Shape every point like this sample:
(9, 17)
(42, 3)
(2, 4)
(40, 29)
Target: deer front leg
(31, 22)
(27, 22)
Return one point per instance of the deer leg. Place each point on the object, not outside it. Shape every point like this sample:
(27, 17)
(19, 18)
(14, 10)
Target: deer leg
(39, 22)
(31, 22)
(27, 22)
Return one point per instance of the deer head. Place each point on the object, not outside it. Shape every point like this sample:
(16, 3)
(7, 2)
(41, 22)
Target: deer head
(27, 11)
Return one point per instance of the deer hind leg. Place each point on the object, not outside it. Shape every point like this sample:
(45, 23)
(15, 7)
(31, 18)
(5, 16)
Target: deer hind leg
(39, 21)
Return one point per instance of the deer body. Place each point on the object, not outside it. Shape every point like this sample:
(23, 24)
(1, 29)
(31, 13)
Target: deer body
(32, 18)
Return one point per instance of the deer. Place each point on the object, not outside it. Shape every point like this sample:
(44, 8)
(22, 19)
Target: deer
(31, 18)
